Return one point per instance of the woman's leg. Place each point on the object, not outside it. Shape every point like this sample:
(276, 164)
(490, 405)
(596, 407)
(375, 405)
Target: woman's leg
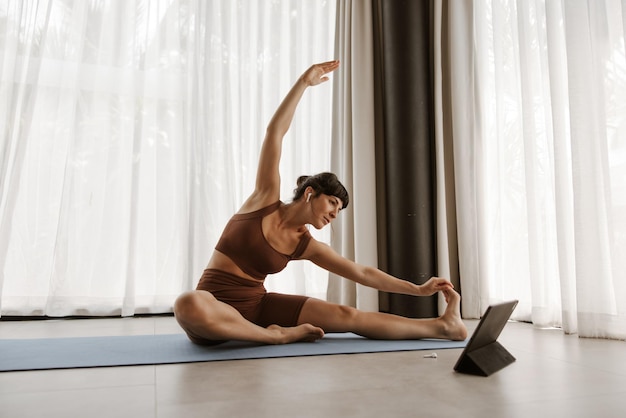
(337, 318)
(202, 316)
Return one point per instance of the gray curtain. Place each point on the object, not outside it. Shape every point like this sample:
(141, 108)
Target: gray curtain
(405, 160)
(353, 151)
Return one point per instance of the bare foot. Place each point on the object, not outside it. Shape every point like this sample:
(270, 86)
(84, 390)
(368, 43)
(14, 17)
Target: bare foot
(454, 327)
(303, 332)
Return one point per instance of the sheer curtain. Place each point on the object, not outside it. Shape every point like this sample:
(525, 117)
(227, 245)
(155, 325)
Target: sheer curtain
(130, 134)
(537, 110)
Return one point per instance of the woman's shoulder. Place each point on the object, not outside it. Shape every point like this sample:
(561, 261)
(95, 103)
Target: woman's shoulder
(315, 248)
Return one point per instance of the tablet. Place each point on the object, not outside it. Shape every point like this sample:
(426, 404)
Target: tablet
(483, 355)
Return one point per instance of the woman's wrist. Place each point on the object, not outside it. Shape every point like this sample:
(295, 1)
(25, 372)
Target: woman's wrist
(419, 290)
(303, 81)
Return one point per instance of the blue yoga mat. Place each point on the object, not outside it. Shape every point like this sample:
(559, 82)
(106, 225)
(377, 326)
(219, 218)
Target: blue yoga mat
(63, 353)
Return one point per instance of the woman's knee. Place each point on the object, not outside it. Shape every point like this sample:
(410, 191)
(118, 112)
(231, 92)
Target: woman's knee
(347, 313)
(193, 313)
(189, 307)
(332, 317)
(341, 316)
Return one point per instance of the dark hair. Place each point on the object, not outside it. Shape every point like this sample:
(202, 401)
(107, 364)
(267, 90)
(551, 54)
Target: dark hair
(326, 183)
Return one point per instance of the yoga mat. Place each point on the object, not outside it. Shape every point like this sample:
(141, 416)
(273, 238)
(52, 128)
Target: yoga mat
(63, 353)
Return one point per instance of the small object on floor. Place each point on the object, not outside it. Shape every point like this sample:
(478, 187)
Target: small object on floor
(431, 355)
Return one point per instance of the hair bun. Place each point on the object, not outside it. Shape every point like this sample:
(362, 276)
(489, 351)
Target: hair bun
(302, 180)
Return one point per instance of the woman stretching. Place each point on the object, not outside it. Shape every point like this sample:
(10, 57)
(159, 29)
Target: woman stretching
(230, 301)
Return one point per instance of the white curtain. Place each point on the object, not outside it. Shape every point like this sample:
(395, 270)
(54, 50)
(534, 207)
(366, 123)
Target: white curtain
(537, 110)
(130, 134)
(353, 150)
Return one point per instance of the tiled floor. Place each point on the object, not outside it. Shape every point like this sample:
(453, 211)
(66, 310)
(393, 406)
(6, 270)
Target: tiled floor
(555, 375)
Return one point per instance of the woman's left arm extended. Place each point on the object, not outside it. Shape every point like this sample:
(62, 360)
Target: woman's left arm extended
(325, 257)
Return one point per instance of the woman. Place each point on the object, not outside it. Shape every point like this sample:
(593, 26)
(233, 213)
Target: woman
(230, 301)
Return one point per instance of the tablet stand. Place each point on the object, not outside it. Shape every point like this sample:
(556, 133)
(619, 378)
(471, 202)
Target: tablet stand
(486, 360)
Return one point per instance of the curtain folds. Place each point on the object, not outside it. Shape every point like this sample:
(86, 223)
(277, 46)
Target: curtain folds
(354, 235)
(130, 134)
(533, 105)
(446, 224)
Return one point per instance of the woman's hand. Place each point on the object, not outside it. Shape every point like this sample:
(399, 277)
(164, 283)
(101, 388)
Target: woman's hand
(434, 285)
(316, 73)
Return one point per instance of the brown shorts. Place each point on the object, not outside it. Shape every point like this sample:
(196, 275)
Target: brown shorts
(252, 300)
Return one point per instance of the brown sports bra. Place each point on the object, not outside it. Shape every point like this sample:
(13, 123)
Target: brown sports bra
(244, 243)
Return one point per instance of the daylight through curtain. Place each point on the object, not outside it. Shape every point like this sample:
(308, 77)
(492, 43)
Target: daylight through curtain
(533, 99)
(130, 134)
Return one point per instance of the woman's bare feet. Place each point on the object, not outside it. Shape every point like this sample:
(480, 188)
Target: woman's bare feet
(303, 332)
(454, 328)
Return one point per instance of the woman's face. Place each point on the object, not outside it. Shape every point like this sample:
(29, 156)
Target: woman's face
(325, 209)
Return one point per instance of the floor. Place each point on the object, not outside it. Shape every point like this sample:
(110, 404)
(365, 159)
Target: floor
(555, 375)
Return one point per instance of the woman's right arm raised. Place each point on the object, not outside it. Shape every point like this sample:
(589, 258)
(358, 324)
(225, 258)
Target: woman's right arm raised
(267, 187)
